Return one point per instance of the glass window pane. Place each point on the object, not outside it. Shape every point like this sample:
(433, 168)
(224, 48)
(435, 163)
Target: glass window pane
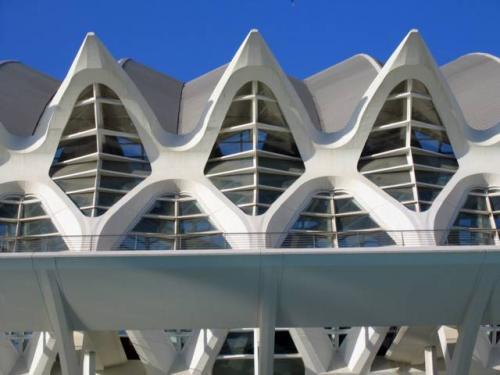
(305, 240)
(87, 93)
(268, 196)
(431, 140)
(240, 197)
(239, 113)
(123, 146)
(233, 367)
(385, 140)
(401, 194)
(165, 208)
(474, 202)
(434, 161)
(278, 142)
(264, 90)
(189, 208)
(323, 206)
(435, 178)
(35, 227)
(73, 148)
(238, 343)
(365, 239)
(400, 88)
(115, 117)
(195, 225)
(346, 205)
(495, 203)
(392, 111)
(108, 199)
(64, 170)
(126, 167)
(423, 110)
(215, 241)
(280, 164)
(70, 184)
(233, 143)
(106, 92)
(246, 89)
(357, 222)
(283, 343)
(33, 210)
(427, 194)
(419, 88)
(83, 199)
(119, 183)
(389, 178)
(7, 229)
(146, 225)
(289, 366)
(9, 210)
(237, 180)
(468, 220)
(276, 180)
(82, 118)
(379, 163)
(305, 222)
(270, 113)
(228, 165)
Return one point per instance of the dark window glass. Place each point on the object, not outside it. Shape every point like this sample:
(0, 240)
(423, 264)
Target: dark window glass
(419, 88)
(323, 206)
(228, 165)
(427, 194)
(188, 208)
(239, 113)
(401, 194)
(495, 203)
(434, 161)
(385, 140)
(278, 142)
(431, 140)
(126, 167)
(108, 199)
(238, 343)
(435, 178)
(123, 146)
(379, 163)
(268, 196)
(346, 205)
(270, 113)
(283, 343)
(115, 117)
(9, 210)
(82, 118)
(389, 178)
(155, 226)
(233, 367)
(468, 220)
(392, 111)
(423, 110)
(215, 241)
(233, 143)
(276, 180)
(73, 148)
(119, 183)
(356, 222)
(106, 92)
(36, 227)
(240, 197)
(195, 225)
(305, 222)
(165, 208)
(474, 202)
(280, 164)
(33, 210)
(237, 180)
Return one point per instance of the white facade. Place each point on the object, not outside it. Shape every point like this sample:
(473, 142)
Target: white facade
(265, 166)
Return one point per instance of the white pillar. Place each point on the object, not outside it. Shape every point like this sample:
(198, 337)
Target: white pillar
(40, 354)
(270, 275)
(154, 349)
(89, 363)
(430, 360)
(468, 329)
(59, 322)
(202, 350)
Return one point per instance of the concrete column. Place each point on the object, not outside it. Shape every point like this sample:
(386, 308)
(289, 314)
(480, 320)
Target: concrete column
(270, 276)
(430, 357)
(62, 331)
(89, 363)
(40, 354)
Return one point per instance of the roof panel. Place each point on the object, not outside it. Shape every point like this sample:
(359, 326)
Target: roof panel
(24, 94)
(475, 82)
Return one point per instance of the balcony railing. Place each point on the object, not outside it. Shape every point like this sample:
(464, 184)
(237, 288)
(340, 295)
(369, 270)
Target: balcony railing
(251, 241)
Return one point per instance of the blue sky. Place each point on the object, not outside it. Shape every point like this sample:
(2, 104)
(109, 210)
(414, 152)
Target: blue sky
(187, 38)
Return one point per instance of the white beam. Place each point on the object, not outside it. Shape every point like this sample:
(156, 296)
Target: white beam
(40, 354)
(270, 275)
(430, 358)
(61, 329)
(202, 350)
(154, 349)
(361, 347)
(89, 363)
(315, 348)
(468, 330)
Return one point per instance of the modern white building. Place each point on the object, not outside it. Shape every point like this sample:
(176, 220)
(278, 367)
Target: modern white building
(248, 222)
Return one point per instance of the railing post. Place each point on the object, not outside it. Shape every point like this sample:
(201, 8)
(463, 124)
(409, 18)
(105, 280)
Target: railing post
(135, 242)
(402, 238)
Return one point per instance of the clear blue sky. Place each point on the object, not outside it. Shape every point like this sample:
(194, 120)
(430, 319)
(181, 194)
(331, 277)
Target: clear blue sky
(187, 38)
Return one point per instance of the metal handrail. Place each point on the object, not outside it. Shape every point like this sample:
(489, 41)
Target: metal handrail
(235, 241)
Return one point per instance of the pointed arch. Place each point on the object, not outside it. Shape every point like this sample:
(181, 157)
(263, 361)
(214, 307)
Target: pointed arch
(100, 156)
(255, 157)
(408, 153)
